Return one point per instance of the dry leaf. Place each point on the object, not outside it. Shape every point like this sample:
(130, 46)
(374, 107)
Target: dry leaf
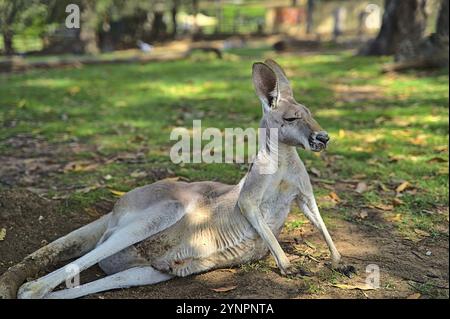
(138, 174)
(441, 148)
(421, 232)
(380, 120)
(79, 166)
(363, 214)
(397, 202)
(87, 189)
(2, 234)
(419, 140)
(92, 212)
(357, 286)
(334, 197)
(384, 207)
(307, 243)
(437, 160)
(315, 171)
(361, 187)
(400, 188)
(383, 187)
(117, 193)
(394, 218)
(414, 296)
(224, 289)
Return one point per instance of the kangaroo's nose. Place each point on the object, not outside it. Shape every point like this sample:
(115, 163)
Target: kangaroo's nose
(323, 137)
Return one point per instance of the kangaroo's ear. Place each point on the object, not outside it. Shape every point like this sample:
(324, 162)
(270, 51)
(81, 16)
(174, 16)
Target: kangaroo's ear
(283, 82)
(266, 85)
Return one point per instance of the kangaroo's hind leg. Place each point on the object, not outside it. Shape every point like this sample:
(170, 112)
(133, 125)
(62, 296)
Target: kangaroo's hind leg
(147, 223)
(136, 276)
(72, 245)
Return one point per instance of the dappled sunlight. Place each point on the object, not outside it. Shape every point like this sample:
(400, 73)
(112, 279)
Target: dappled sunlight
(183, 89)
(405, 121)
(376, 132)
(331, 113)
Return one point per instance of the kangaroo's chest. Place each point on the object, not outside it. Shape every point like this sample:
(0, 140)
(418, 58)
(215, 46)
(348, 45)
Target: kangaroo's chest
(277, 203)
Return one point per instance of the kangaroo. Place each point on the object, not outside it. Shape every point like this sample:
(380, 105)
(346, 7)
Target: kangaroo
(174, 229)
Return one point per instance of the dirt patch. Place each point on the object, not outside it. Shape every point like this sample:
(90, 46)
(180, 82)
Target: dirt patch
(405, 267)
(29, 161)
(31, 222)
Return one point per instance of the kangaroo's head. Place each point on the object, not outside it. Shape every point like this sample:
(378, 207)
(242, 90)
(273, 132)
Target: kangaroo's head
(295, 124)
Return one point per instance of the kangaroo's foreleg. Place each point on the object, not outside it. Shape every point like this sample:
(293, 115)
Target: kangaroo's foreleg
(74, 244)
(309, 207)
(254, 216)
(136, 276)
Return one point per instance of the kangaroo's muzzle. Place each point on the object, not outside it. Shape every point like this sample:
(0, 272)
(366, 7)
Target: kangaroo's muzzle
(318, 141)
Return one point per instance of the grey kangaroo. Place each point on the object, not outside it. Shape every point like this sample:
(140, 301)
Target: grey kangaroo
(174, 229)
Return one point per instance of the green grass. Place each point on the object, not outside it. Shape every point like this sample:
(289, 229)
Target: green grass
(389, 134)
(24, 43)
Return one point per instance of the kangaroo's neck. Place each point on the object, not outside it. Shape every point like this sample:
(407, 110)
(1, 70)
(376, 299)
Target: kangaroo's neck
(271, 149)
(272, 159)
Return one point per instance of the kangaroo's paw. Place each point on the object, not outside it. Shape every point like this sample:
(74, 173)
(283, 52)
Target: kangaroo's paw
(348, 270)
(345, 269)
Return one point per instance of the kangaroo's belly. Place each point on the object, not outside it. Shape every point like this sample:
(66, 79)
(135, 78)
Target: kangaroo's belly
(197, 244)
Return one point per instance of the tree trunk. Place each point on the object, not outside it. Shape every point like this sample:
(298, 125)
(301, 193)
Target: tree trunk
(431, 51)
(88, 32)
(158, 26)
(309, 18)
(8, 42)
(195, 13)
(442, 22)
(174, 13)
(402, 20)
(219, 16)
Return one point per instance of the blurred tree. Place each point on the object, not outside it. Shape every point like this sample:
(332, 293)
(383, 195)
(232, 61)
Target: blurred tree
(309, 18)
(195, 10)
(158, 25)
(219, 15)
(173, 13)
(10, 11)
(89, 25)
(432, 51)
(402, 19)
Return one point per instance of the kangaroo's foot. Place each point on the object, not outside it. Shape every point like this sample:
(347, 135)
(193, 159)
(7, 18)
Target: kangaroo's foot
(35, 289)
(343, 268)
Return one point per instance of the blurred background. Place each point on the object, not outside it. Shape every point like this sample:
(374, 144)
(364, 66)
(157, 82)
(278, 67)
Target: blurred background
(37, 27)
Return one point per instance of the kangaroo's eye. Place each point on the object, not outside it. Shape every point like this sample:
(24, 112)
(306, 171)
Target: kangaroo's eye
(291, 119)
